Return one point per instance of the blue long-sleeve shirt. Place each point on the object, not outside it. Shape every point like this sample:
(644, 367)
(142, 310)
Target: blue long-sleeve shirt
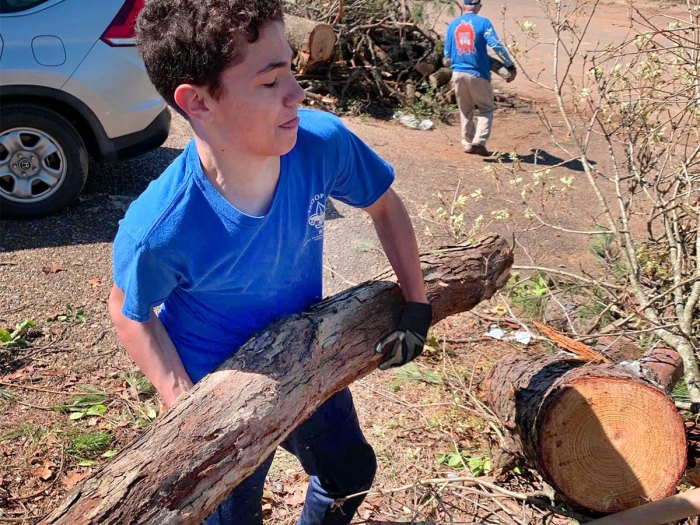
(465, 45)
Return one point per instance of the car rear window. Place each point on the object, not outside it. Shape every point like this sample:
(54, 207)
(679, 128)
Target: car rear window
(14, 6)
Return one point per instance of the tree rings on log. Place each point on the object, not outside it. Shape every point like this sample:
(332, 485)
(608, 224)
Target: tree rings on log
(610, 444)
(315, 40)
(606, 437)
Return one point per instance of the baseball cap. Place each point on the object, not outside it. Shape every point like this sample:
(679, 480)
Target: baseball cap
(472, 2)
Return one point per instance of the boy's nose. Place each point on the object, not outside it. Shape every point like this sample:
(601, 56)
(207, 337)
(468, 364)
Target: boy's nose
(296, 93)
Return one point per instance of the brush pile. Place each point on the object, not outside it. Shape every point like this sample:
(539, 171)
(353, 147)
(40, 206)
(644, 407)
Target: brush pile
(386, 54)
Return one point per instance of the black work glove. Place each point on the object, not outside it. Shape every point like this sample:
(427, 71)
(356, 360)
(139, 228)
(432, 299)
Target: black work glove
(406, 342)
(512, 73)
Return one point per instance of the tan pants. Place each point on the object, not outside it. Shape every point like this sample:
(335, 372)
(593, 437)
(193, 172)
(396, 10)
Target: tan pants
(472, 92)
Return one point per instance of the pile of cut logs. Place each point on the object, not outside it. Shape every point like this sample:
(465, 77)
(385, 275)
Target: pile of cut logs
(368, 52)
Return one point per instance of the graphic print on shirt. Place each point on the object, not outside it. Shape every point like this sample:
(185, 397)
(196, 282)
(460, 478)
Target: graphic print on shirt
(317, 216)
(464, 39)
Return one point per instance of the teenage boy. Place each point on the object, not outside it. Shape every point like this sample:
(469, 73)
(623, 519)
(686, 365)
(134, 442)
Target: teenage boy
(229, 238)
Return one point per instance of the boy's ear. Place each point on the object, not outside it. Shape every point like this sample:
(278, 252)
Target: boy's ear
(193, 100)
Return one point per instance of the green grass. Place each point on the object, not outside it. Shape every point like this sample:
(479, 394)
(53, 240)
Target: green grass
(140, 383)
(31, 433)
(87, 445)
(530, 295)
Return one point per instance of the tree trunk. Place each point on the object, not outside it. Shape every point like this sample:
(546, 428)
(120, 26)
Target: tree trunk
(607, 437)
(311, 41)
(441, 77)
(217, 434)
(498, 67)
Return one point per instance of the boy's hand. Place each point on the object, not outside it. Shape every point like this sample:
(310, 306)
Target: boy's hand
(406, 342)
(512, 72)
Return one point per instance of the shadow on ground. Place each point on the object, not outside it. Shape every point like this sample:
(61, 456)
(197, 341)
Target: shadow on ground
(540, 157)
(109, 190)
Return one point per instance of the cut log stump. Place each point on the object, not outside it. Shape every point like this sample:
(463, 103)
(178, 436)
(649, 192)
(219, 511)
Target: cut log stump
(218, 433)
(607, 437)
(441, 77)
(311, 41)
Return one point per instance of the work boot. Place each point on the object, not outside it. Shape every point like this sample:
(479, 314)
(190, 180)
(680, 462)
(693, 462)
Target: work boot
(478, 149)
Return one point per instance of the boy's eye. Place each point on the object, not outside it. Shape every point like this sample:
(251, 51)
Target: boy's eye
(271, 84)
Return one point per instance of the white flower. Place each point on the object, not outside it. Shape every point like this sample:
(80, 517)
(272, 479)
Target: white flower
(567, 181)
(500, 215)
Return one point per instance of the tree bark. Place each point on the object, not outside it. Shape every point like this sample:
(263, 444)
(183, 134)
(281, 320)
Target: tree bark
(607, 437)
(216, 435)
(498, 67)
(441, 77)
(311, 41)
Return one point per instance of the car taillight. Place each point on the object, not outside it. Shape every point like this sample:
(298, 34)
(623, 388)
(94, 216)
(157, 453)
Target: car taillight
(122, 30)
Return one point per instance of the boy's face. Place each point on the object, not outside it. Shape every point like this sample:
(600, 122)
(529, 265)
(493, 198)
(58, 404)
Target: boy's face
(257, 111)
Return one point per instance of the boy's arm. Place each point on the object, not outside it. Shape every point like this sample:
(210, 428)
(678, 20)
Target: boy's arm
(150, 347)
(395, 232)
(393, 226)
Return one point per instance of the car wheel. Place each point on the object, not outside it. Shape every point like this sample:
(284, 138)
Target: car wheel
(43, 161)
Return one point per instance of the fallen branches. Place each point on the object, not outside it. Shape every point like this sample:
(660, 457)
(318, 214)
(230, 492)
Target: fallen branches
(383, 54)
(214, 437)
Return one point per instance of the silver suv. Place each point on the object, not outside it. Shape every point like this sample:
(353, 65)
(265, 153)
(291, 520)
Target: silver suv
(71, 84)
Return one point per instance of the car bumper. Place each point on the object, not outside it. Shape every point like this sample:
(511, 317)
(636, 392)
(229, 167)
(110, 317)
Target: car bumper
(134, 144)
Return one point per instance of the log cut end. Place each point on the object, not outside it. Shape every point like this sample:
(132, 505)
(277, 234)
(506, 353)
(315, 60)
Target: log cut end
(321, 43)
(314, 41)
(610, 444)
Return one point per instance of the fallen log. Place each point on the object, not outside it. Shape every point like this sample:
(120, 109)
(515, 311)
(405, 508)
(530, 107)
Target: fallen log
(498, 67)
(605, 436)
(311, 41)
(441, 77)
(217, 434)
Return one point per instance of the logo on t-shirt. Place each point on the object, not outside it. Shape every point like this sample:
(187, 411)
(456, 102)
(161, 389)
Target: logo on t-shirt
(464, 38)
(317, 216)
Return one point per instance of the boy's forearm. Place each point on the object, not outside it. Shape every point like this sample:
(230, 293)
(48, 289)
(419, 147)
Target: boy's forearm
(150, 347)
(393, 226)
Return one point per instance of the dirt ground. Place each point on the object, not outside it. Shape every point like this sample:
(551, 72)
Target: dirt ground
(56, 271)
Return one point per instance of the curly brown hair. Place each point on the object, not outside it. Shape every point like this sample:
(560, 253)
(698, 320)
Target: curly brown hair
(193, 41)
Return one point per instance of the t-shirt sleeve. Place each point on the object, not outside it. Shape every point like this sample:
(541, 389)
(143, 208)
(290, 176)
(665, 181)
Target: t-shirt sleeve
(495, 43)
(143, 274)
(363, 176)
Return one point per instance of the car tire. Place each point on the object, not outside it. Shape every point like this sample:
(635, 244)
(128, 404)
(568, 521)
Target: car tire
(43, 161)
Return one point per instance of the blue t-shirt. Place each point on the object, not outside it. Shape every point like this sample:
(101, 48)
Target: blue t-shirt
(222, 275)
(465, 45)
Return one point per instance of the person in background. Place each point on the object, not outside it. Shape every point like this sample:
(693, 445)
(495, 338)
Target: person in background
(465, 52)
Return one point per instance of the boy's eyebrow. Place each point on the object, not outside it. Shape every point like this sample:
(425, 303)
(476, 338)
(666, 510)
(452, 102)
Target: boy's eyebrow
(273, 65)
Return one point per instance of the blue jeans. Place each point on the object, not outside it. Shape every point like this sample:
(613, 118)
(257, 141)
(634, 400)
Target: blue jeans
(332, 450)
